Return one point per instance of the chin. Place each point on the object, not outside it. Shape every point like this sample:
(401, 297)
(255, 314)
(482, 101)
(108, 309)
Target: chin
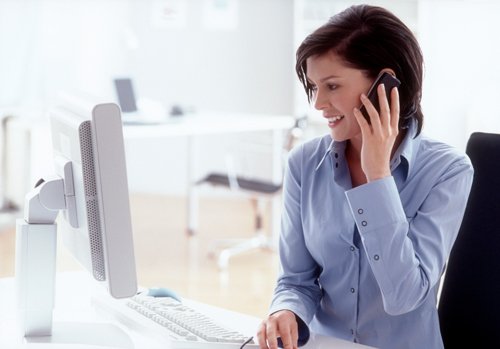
(338, 137)
(345, 134)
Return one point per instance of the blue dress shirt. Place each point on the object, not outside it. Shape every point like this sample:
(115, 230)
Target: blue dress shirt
(364, 264)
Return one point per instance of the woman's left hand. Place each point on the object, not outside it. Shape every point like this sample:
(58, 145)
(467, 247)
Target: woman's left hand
(379, 137)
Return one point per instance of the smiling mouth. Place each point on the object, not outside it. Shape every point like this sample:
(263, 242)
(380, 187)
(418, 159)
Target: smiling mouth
(334, 119)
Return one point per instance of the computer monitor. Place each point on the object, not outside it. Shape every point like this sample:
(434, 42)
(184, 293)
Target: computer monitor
(89, 193)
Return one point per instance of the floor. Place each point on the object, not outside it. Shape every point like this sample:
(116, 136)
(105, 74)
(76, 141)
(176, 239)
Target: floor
(166, 257)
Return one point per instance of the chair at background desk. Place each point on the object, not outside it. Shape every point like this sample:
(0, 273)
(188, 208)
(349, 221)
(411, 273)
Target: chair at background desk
(469, 305)
(258, 191)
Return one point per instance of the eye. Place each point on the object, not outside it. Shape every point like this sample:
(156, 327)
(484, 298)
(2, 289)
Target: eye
(331, 87)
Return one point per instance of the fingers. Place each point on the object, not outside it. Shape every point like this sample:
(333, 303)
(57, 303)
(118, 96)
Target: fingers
(394, 108)
(281, 324)
(384, 105)
(295, 336)
(388, 116)
(271, 336)
(372, 112)
(287, 338)
(262, 336)
(363, 124)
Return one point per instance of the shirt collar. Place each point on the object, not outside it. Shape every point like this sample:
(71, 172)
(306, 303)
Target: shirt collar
(337, 147)
(404, 154)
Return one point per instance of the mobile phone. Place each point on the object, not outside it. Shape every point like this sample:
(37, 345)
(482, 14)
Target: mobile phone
(389, 82)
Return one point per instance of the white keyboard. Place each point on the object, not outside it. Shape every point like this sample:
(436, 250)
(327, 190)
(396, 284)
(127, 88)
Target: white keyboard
(171, 321)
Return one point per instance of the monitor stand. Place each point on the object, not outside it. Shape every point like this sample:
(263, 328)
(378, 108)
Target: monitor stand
(86, 333)
(36, 247)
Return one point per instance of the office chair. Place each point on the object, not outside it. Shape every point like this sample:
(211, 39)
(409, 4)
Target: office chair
(469, 305)
(259, 191)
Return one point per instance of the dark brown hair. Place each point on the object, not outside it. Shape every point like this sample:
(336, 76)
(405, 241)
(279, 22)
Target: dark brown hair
(370, 38)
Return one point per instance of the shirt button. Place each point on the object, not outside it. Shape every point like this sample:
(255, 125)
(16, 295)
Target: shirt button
(336, 165)
(376, 257)
(352, 331)
(353, 290)
(336, 155)
(364, 224)
(352, 248)
(360, 211)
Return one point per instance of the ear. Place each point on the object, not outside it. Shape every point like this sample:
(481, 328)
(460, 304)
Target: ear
(388, 70)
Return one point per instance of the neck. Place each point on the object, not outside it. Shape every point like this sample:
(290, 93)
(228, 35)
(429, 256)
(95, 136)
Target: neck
(355, 144)
(353, 148)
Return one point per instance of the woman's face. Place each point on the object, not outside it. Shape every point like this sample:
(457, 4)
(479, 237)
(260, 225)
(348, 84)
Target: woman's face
(337, 90)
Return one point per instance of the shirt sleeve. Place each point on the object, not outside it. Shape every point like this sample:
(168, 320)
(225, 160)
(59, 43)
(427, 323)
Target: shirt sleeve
(408, 254)
(297, 288)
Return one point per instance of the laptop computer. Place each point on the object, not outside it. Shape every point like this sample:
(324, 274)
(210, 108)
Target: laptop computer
(131, 115)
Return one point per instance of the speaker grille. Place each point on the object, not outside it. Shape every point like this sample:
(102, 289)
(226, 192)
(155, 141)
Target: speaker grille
(92, 205)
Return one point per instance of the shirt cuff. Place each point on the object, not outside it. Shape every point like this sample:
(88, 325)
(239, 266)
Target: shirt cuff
(304, 332)
(375, 204)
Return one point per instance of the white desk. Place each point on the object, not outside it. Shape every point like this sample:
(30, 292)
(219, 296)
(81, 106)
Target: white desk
(217, 124)
(73, 293)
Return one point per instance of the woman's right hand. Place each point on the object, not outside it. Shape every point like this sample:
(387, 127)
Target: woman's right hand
(282, 324)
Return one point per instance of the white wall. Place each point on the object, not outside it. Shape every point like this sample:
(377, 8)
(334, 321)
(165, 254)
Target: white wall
(461, 46)
(245, 69)
(48, 45)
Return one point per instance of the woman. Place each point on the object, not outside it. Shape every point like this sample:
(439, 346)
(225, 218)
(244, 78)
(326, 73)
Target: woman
(371, 210)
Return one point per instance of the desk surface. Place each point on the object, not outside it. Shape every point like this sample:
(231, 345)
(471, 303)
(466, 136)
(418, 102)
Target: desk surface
(73, 303)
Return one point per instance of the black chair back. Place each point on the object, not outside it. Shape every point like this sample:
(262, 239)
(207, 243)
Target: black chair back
(469, 305)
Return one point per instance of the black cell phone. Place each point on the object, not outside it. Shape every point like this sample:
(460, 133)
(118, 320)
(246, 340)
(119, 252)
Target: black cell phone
(389, 82)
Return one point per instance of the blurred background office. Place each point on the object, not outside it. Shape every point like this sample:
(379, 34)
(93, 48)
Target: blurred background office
(209, 56)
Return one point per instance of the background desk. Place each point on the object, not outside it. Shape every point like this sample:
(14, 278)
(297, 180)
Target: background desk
(217, 124)
(73, 293)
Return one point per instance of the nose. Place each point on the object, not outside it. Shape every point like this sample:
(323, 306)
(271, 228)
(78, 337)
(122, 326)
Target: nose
(320, 100)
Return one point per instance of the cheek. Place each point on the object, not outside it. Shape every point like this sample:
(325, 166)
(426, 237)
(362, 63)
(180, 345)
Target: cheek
(355, 99)
(347, 102)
